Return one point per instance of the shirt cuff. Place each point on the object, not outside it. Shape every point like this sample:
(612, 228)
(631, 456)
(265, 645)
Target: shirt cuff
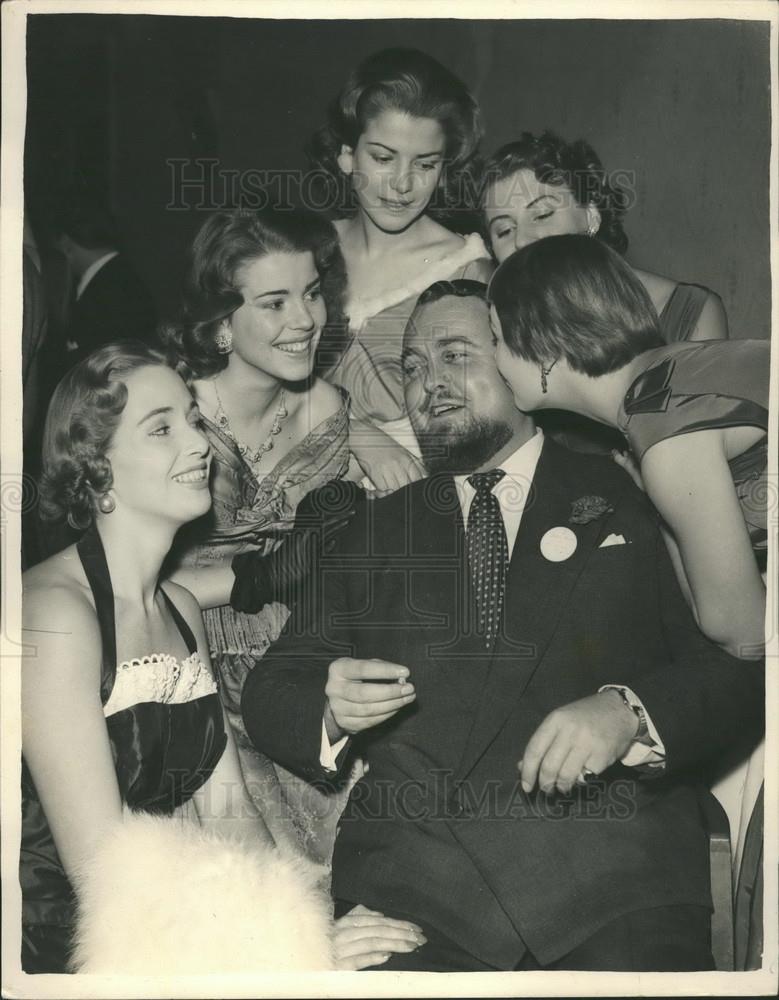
(651, 753)
(328, 752)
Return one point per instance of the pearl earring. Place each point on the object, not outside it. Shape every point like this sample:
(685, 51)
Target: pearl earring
(106, 503)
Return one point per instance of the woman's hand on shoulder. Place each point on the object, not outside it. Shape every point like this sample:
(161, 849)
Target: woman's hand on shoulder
(387, 464)
(626, 460)
(364, 937)
(480, 269)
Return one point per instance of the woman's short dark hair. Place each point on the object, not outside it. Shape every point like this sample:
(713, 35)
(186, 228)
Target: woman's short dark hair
(575, 165)
(82, 418)
(226, 242)
(407, 80)
(573, 297)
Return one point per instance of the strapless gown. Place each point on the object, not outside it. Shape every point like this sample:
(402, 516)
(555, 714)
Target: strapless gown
(166, 730)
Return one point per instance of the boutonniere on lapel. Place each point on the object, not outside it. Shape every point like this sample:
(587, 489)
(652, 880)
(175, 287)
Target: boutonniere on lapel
(560, 543)
(587, 509)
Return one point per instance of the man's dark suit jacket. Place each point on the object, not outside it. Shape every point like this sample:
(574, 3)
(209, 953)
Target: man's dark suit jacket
(439, 829)
(115, 305)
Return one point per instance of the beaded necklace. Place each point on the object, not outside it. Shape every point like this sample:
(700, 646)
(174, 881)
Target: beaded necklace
(252, 457)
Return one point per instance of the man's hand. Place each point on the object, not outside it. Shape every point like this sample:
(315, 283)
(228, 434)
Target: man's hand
(591, 733)
(364, 693)
(366, 937)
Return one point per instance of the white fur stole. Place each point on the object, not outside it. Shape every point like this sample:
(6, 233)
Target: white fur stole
(165, 898)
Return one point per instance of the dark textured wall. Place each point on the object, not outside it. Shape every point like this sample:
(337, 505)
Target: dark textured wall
(683, 106)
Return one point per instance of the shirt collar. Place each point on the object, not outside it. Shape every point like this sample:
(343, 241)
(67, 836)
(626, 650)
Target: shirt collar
(92, 270)
(519, 464)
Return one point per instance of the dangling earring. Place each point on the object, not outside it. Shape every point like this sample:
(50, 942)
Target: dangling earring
(224, 339)
(592, 229)
(544, 373)
(106, 503)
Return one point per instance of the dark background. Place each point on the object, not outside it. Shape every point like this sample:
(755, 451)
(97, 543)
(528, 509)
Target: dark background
(684, 106)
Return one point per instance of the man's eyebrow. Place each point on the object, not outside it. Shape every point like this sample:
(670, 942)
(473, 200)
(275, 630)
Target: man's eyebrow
(461, 338)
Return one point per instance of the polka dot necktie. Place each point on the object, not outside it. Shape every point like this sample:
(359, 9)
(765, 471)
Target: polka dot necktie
(488, 553)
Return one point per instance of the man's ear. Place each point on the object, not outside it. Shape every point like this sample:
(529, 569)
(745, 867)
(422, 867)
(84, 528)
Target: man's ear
(345, 160)
(593, 219)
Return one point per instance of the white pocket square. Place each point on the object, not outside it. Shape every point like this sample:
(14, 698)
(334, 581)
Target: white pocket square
(613, 540)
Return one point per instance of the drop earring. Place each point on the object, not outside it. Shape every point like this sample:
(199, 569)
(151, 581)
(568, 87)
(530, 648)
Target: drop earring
(544, 373)
(224, 339)
(106, 503)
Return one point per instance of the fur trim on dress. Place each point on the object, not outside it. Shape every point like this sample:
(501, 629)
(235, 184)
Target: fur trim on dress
(165, 898)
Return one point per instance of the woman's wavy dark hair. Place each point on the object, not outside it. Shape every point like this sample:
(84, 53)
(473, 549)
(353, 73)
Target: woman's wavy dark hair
(83, 415)
(576, 298)
(575, 165)
(410, 81)
(227, 241)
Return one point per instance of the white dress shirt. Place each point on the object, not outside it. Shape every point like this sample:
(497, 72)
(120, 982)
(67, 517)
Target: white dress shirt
(512, 492)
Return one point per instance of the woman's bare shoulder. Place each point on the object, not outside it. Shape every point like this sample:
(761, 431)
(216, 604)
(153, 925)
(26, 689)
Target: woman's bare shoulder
(55, 594)
(440, 240)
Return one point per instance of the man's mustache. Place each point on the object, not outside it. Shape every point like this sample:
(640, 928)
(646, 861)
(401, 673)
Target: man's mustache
(431, 400)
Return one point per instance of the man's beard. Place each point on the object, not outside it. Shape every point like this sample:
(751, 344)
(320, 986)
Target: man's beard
(458, 450)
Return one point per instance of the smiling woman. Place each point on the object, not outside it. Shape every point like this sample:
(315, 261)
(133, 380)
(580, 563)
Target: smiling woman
(398, 151)
(119, 703)
(256, 301)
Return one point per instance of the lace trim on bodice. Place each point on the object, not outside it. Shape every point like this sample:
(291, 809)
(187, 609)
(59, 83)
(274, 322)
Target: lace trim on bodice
(159, 678)
(361, 310)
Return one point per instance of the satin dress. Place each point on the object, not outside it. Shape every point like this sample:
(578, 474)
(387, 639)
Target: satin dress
(686, 388)
(677, 320)
(166, 731)
(705, 385)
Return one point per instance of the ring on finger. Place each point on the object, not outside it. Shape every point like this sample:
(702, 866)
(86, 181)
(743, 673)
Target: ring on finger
(585, 776)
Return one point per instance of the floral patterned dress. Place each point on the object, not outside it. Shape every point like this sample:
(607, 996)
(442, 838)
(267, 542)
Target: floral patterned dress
(249, 513)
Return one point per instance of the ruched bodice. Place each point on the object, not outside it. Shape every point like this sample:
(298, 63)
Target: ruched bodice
(166, 734)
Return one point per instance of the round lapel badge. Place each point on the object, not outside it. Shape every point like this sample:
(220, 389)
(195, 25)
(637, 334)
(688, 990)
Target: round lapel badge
(558, 544)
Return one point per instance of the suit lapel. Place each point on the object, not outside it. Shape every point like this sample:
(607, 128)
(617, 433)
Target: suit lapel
(443, 582)
(537, 591)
